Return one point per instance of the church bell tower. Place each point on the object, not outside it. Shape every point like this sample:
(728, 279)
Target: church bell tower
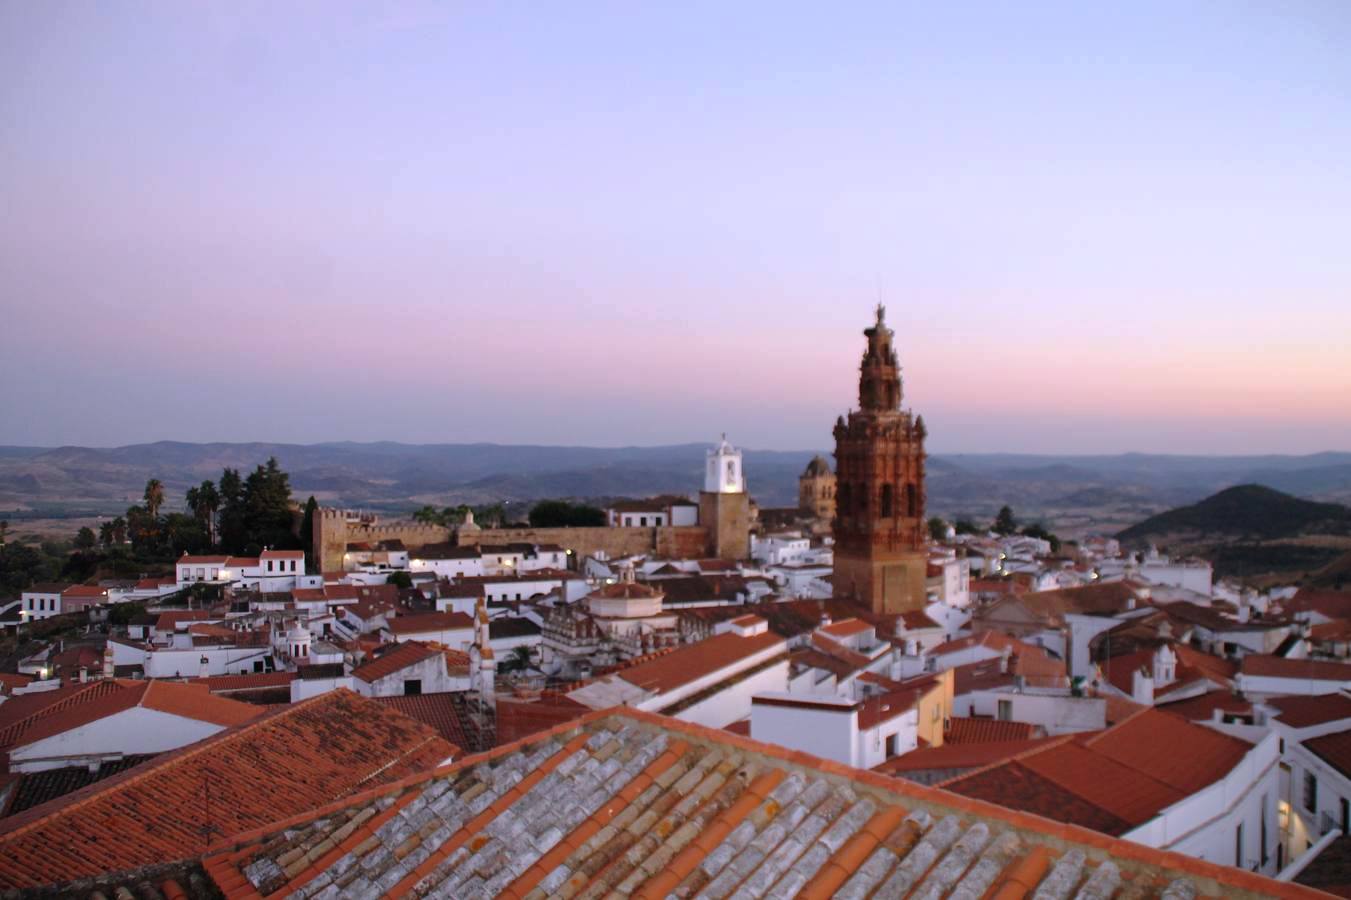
(880, 547)
(724, 505)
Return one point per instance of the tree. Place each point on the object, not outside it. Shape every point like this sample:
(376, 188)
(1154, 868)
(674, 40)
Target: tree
(154, 497)
(561, 514)
(85, 539)
(307, 527)
(268, 519)
(517, 661)
(231, 521)
(938, 529)
(119, 530)
(1039, 531)
(1004, 523)
(966, 526)
(429, 515)
(402, 580)
(491, 516)
(4, 530)
(204, 501)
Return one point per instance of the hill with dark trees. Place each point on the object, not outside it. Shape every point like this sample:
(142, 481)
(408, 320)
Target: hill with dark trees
(1243, 512)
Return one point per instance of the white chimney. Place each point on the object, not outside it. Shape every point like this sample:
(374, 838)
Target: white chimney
(1142, 688)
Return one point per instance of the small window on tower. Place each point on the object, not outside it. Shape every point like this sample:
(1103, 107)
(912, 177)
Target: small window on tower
(887, 501)
(731, 472)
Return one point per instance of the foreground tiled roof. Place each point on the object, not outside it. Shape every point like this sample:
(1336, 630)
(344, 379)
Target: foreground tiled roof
(39, 787)
(1113, 780)
(247, 777)
(625, 803)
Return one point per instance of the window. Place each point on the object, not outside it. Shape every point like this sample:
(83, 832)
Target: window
(1005, 711)
(412, 687)
(1346, 816)
(642, 521)
(888, 501)
(1238, 845)
(293, 565)
(269, 565)
(1310, 792)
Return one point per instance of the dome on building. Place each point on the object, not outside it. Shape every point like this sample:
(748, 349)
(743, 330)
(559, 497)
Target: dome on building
(817, 467)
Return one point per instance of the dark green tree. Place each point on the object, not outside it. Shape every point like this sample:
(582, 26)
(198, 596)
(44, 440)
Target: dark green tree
(429, 515)
(154, 497)
(561, 514)
(204, 501)
(307, 527)
(402, 580)
(938, 529)
(966, 526)
(85, 539)
(1004, 523)
(268, 519)
(1039, 531)
(231, 525)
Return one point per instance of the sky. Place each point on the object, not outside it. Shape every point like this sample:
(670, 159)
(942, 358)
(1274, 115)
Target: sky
(1095, 227)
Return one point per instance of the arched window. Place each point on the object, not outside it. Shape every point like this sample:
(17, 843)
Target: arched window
(911, 501)
(888, 505)
(842, 506)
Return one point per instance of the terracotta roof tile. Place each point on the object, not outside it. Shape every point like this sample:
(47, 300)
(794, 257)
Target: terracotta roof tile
(1262, 665)
(1302, 712)
(1334, 749)
(966, 730)
(694, 661)
(399, 656)
(247, 777)
(426, 622)
(630, 804)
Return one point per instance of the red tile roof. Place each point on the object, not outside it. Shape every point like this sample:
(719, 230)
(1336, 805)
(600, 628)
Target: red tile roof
(1262, 665)
(1334, 749)
(420, 622)
(106, 698)
(963, 730)
(436, 710)
(1118, 779)
(399, 657)
(1202, 708)
(247, 777)
(84, 591)
(695, 661)
(961, 756)
(1302, 712)
(846, 628)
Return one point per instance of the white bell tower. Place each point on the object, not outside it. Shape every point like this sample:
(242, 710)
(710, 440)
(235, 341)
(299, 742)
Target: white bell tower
(722, 473)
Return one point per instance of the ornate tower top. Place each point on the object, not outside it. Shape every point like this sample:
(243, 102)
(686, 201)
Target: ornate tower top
(879, 383)
(722, 473)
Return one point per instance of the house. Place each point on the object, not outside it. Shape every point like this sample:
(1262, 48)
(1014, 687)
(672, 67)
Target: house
(1316, 791)
(78, 598)
(410, 668)
(1155, 779)
(1064, 621)
(42, 600)
(1261, 676)
(450, 629)
(654, 512)
(711, 681)
(237, 780)
(605, 804)
(109, 719)
(863, 732)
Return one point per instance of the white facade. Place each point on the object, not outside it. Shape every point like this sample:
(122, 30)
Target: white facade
(722, 471)
(40, 604)
(1057, 712)
(136, 730)
(829, 727)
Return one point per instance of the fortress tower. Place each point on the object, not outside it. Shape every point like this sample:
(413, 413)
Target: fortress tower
(880, 551)
(724, 505)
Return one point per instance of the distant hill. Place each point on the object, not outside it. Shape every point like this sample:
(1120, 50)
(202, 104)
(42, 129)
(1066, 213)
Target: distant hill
(1244, 512)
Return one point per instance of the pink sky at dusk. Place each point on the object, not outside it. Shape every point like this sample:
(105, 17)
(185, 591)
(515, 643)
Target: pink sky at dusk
(1094, 231)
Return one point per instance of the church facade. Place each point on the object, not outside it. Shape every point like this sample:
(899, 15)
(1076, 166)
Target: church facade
(880, 536)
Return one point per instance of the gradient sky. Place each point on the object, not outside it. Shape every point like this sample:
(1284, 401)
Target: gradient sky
(1095, 229)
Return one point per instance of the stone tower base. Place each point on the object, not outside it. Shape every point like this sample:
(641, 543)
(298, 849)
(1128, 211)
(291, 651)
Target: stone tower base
(727, 517)
(886, 585)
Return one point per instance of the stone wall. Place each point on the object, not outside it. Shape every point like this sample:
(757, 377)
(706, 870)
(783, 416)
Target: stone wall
(333, 531)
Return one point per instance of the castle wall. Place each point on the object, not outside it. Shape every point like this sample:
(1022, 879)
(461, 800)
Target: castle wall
(333, 532)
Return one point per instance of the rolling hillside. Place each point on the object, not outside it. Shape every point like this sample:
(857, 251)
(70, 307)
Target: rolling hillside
(1247, 511)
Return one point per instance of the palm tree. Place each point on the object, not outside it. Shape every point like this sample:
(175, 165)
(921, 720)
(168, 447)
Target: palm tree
(106, 534)
(154, 497)
(119, 530)
(204, 501)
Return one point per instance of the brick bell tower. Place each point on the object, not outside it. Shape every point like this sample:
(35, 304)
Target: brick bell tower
(880, 550)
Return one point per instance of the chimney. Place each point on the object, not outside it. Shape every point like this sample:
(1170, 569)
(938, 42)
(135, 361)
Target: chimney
(1244, 609)
(84, 675)
(1004, 656)
(108, 660)
(1142, 688)
(204, 668)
